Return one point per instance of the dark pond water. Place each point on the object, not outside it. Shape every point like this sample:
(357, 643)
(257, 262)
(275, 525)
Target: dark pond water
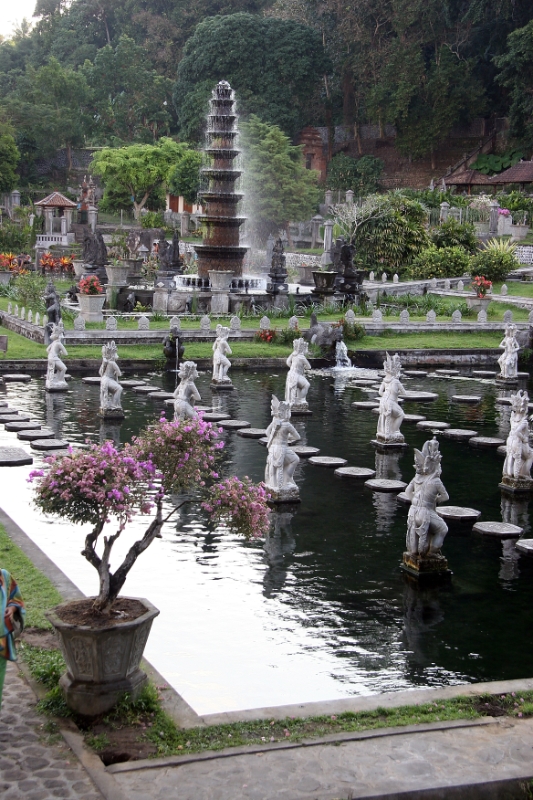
(327, 584)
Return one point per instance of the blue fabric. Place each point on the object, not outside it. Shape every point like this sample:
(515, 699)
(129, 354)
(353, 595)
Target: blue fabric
(9, 596)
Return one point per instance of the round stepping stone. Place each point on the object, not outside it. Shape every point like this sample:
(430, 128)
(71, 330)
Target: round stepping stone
(328, 461)
(3, 403)
(49, 444)
(524, 375)
(263, 441)
(420, 397)
(215, 416)
(503, 401)
(203, 409)
(385, 485)
(15, 418)
(369, 389)
(483, 373)
(503, 530)
(458, 514)
(29, 436)
(130, 383)
(14, 457)
(160, 395)
(414, 418)
(485, 441)
(357, 473)
(91, 379)
(415, 373)
(146, 389)
(446, 372)
(402, 498)
(304, 451)
(8, 410)
(17, 378)
(362, 382)
(365, 405)
(466, 398)
(502, 450)
(252, 433)
(525, 546)
(22, 426)
(233, 424)
(430, 424)
(459, 434)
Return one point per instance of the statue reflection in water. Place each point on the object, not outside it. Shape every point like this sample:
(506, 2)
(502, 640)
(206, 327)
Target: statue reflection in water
(278, 547)
(422, 615)
(110, 432)
(387, 467)
(55, 412)
(515, 511)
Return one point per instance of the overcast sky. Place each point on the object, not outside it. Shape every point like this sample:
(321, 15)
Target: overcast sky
(12, 14)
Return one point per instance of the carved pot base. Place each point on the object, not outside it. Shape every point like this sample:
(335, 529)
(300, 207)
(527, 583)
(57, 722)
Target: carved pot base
(516, 486)
(112, 413)
(392, 445)
(227, 384)
(423, 567)
(291, 495)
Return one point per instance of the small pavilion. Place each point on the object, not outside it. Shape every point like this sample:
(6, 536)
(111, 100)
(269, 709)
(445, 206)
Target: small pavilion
(521, 173)
(468, 178)
(57, 211)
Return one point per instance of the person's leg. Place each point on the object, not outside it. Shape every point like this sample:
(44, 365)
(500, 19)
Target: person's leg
(3, 665)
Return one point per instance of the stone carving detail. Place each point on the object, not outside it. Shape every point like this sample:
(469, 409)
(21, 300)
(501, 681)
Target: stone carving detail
(504, 290)
(111, 324)
(81, 653)
(23, 313)
(433, 283)
(519, 457)
(186, 392)
(30, 316)
(139, 643)
(282, 460)
(384, 277)
(395, 278)
(37, 319)
(390, 412)
(205, 323)
(296, 384)
(110, 388)
(460, 286)
(16, 310)
(293, 323)
(508, 360)
(349, 318)
(431, 317)
(371, 277)
(10, 308)
(404, 317)
(508, 317)
(377, 315)
(113, 655)
(143, 323)
(235, 324)
(447, 285)
(56, 370)
(221, 351)
(457, 316)
(79, 324)
(175, 324)
(482, 317)
(264, 324)
(530, 318)
(425, 529)
(53, 310)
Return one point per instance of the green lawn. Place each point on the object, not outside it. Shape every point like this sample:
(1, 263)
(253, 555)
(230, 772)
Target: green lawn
(426, 341)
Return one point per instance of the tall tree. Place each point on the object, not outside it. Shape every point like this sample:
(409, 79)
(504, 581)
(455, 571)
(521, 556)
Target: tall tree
(516, 74)
(9, 159)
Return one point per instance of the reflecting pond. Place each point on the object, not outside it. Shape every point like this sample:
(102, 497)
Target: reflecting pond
(321, 609)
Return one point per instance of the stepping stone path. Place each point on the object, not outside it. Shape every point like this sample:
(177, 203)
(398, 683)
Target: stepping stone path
(216, 416)
(362, 382)
(369, 389)
(485, 441)
(415, 373)
(466, 398)
(458, 514)
(503, 401)
(14, 417)
(160, 395)
(92, 379)
(414, 418)
(385, 485)
(29, 436)
(483, 373)
(130, 383)
(263, 441)
(3, 403)
(146, 389)
(22, 426)
(459, 434)
(8, 410)
(304, 451)
(365, 405)
(204, 409)
(328, 461)
(503, 530)
(401, 497)
(430, 424)
(525, 546)
(502, 450)
(252, 433)
(49, 444)
(233, 424)
(301, 413)
(419, 397)
(14, 457)
(17, 378)
(357, 473)
(447, 372)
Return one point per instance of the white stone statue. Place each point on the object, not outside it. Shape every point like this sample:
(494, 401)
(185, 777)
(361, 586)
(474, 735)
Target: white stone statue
(221, 362)
(297, 385)
(390, 412)
(110, 388)
(56, 371)
(282, 460)
(186, 393)
(508, 360)
(519, 457)
(425, 529)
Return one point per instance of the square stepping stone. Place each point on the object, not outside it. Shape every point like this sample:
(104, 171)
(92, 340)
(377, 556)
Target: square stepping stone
(30, 436)
(14, 457)
(447, 372)
(525, 546)
(415, 373)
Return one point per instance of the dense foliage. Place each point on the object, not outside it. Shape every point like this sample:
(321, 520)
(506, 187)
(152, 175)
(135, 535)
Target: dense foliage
(442, 262)
(455, 234)
(495, 261)
(360, 175)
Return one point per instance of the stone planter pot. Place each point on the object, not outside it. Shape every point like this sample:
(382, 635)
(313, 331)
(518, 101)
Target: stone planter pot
(481, 228)
(79, 268)
(117, 274)
(135, 265)
(476, 303)
(220, 280)
(91, 306)
(324, 281)
(305, 272)
(102, 663)
(519, 232)
(5, 277)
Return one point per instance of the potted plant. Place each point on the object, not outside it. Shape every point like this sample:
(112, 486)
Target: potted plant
(480, 301)
(324, 281)
(117, 272)
(6, 267)
(103, 637)
(91, 298)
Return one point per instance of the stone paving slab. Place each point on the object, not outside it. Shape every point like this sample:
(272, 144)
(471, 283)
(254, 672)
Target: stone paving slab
(393, 764)
(32, 765)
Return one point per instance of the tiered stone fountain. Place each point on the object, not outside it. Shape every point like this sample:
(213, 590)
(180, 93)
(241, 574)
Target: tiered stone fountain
(220, 256)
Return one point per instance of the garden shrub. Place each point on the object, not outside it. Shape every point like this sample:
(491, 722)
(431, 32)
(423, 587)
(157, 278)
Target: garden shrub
(14, 238)
(455, 234)
(152, 219)
(439, 262)
(30, 291)
(495, 261)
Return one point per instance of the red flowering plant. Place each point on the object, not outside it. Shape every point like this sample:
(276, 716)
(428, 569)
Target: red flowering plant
(104, 484)
(267, 335)
(481, 285)
(90, 284)
(49, 263)
(8, 261)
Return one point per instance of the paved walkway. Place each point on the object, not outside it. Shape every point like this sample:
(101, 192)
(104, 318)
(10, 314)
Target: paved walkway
(34, 766)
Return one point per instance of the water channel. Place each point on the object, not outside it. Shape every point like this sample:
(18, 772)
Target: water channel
(320, 610)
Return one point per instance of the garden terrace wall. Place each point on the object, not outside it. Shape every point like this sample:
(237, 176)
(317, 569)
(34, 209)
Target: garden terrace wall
(438, 358)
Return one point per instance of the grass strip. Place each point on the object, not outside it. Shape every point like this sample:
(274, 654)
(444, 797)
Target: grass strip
(440, 340)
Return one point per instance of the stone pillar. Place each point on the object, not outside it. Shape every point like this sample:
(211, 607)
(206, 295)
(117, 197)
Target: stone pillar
(269, 249)
(185, 217)
(92, 217)
(444, 211)
(328, 242)
(68, 215)
(493, 219)
(349, 197)
(63, 225)
(15, 198)
(328, 197)
(220, 286)
(316, 222)
(48, 221)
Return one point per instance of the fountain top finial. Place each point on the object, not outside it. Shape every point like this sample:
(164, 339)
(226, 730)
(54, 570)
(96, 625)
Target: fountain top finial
(223, 90)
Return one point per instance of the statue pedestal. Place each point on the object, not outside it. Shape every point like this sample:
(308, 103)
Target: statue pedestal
(508, 383)
(390, 445)
(300, 410)
(425, 567)
(112, 413)
(516, 485)
(288, 495)
(219, 303)
(221, 385)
